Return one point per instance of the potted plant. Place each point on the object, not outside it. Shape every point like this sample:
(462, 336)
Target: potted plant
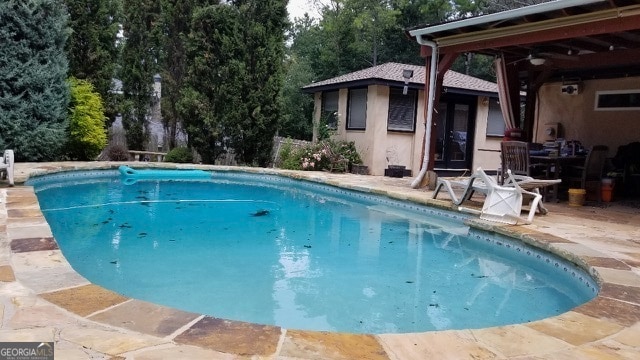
(393, 169)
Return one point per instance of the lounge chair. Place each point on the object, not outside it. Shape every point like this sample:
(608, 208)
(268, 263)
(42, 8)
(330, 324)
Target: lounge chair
(6, 166)
(503, 203)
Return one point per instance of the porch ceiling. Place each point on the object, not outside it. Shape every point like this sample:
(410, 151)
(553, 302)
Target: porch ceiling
(575, 38)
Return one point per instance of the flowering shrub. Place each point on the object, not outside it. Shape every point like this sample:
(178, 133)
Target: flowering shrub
(325, 155)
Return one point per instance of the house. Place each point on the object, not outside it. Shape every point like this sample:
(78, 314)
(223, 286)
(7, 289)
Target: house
(577, 61)
(381, 109)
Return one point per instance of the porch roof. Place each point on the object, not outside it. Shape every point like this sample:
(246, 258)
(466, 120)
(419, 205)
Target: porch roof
(390, 74)
(575, 37)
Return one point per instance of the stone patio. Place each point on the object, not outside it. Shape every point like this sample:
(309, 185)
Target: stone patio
(43, 299)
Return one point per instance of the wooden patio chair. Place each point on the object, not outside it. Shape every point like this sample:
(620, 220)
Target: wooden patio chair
(515, 157)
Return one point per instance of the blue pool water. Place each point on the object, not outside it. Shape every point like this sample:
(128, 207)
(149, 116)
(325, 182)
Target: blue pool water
(274, 250)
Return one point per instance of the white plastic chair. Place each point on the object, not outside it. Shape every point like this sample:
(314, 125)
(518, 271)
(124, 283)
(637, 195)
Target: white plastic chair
(6, 166)
(502, 203)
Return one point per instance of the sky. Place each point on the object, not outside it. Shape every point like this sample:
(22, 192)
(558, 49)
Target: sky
(297, 8)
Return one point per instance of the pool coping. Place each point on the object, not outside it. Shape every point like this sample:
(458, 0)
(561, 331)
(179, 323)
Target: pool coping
(609, 325)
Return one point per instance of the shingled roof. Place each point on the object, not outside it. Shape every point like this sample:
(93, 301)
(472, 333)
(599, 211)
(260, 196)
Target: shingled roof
(390, 74)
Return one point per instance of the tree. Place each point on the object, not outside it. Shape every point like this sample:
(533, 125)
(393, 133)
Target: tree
(33, 69)
(140, 56)
(92, 48)
(176, 19)
(263, 32)
(211, 91)
(87, 134)
(296, 120)
(231, 97)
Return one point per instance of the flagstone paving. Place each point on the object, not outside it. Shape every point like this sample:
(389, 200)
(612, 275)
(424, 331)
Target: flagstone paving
(43, 299)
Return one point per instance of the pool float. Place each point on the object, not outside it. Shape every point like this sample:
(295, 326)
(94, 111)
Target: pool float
(130, 175)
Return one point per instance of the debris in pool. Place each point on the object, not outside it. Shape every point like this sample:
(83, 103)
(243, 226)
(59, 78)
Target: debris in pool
(479, 276)
(409, 282)
(125, 225)
(114, 261)
(172, 239)
(308, 246)
(261, 212)
(434, 305)
(142, 234)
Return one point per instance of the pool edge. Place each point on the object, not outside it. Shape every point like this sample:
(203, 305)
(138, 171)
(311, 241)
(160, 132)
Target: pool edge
(289, 342)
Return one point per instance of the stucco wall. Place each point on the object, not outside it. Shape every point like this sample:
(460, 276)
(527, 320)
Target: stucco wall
(374, 144)
(579, 120)
(380, 148)
(486, 150)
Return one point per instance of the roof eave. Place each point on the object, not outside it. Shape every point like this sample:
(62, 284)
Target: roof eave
(500, 16)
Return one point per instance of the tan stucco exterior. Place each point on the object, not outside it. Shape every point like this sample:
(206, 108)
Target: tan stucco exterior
(580, 121)
(380, 148)
(486, 149)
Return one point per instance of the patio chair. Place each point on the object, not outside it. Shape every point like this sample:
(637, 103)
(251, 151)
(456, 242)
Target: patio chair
(515, 157)
(6, 166)
(502, 203)
(591, 172)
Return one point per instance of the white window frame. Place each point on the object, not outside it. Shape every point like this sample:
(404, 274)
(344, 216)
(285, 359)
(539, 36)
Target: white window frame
(597, 106)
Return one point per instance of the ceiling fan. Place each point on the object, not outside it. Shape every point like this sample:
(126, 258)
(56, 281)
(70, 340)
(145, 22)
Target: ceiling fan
(538, 58)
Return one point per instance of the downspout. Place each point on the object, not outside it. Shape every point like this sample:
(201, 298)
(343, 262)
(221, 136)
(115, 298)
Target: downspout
(429, 123)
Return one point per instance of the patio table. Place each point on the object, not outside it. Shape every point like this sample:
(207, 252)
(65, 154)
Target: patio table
(553, 166)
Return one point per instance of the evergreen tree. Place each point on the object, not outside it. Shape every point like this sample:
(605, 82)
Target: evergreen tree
(176, 15)
(140, 55)
(87, 133)
(210, 95)
(231, 97)
(33, 69)
(263, 34)
(92, 48)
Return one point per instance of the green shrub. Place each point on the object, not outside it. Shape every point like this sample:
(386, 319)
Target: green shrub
(179, 155)
(87, 134)
(324, 155)
(289, 156)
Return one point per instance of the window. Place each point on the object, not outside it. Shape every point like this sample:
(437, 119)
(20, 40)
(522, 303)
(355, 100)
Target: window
(495, 121)
(330, 109)
(357, 119)
(402, 110)
(618, 100)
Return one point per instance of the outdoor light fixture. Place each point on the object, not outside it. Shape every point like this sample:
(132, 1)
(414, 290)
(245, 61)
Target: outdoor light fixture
(537, 61)
(406, 74)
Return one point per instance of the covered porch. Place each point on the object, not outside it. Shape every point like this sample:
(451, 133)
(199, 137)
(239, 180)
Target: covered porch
(578, 62)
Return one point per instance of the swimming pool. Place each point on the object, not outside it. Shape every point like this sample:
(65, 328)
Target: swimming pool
(306, 255)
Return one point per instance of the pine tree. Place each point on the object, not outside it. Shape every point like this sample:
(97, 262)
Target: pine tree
(211, 91)
(263, 30)
(140, 62)
(176, 15)
(232, 93)
(92, 47)
(33, 68)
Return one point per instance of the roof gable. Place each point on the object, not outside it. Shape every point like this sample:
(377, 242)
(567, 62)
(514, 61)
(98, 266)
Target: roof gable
(391, 74)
